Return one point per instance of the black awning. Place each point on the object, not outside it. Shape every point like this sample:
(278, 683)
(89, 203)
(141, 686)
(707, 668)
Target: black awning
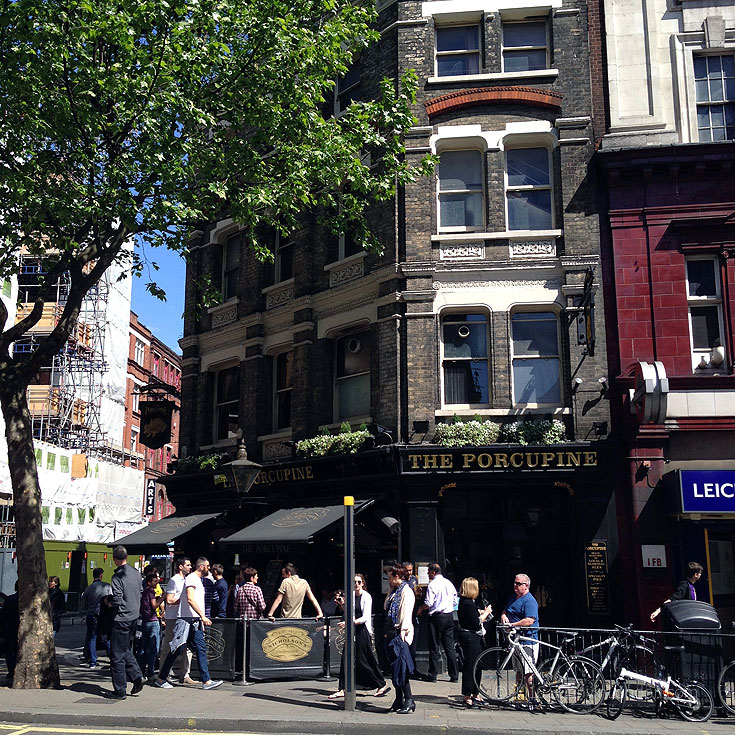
(163, 531)
(291, 525)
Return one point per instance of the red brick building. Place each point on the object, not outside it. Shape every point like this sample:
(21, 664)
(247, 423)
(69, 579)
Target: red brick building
(154, 372)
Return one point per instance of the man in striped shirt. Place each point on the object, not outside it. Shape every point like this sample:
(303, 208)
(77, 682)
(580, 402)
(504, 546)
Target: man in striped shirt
(249, 603)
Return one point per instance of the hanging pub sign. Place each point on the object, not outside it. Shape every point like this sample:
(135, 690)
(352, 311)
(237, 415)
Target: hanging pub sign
(150, 496)
(155, 423)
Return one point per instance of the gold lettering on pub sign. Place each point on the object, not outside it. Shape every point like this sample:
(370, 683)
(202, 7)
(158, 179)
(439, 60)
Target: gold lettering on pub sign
(469, 461)
(287, 474)
(287, 644)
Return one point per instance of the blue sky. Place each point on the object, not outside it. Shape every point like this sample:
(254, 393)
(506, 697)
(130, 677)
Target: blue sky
(163, 318)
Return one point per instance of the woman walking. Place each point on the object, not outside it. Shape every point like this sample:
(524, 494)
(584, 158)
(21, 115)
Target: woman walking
(398, 637)
(367, 673)
(471, 634)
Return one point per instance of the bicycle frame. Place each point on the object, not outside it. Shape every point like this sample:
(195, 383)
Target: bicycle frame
(515, 645)
(670, 689)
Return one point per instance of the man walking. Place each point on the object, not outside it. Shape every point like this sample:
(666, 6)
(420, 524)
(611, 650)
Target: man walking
(291, 593)
(685, 589)
(174, 591)
(126, 591)
(90, 602)
(521, 611)
(189, 628)
(219, 607)
(441, 602)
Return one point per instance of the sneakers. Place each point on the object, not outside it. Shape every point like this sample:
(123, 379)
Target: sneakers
(137, 686)
(117, 695)
(187, 680)
(163, 684)
(212, 684)
(93, 666)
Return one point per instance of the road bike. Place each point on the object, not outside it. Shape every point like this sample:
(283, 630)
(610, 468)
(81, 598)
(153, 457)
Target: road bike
(691, 700)
(574, 683)
(726, 687)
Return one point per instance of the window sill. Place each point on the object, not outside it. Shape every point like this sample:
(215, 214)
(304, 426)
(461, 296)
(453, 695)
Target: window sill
(281, 434)
(277, 286)
(516, 411)
(347, 269)
(345, 261)
(508, 235)
(352, 421)
(230, 443)
(222, 307)
(495, 77)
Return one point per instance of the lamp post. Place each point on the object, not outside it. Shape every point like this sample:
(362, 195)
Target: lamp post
(243, 470)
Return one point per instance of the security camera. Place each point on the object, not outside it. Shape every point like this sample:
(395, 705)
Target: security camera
(392, 524)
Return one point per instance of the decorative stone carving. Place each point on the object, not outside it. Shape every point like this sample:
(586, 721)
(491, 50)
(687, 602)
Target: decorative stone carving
(275, 449)
(224, 316)
(346, 273)
(532, 248)
(552, 283)
(461, 251)
(278, 298)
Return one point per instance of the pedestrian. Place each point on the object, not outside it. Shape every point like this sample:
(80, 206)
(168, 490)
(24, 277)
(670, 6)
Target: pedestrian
(189, 628)
(685, 589)
(367, 673)
(90, 603)
(174, 591)
(471, 634)
(291, 593)
(249, 603)
(126, 593)
(220, 584)
(210, 591)
(232, 592)
(151, 628)
(413, 583)
(441, 602)
(9, 624)
(58, 602)
(521, 611)
(398, 628)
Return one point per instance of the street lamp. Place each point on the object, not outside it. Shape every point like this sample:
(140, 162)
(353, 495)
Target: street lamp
(243, 470)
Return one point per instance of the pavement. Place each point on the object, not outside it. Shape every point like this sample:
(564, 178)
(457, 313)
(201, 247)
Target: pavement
(295, 707)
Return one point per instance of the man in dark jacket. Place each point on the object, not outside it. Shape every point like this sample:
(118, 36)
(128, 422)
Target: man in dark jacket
(685, 589)
(126, 593)
(9, 624)
(90, 603)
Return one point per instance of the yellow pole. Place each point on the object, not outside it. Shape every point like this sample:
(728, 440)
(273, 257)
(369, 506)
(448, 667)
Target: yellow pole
(709, 567)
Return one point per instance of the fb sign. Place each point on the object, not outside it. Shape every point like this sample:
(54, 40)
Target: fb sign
(707, 491)
(654, 556)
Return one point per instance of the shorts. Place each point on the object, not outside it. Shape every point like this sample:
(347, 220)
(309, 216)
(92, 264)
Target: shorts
(520, 665)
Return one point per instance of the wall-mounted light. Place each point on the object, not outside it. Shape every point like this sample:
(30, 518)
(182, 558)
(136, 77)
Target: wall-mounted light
(576, 382)
(421, 427)
(603, 383)
(600, 428)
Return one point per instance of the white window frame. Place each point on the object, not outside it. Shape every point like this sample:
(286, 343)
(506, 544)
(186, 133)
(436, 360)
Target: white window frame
(481, 193)
(134, 436)
(457, 52)
(279, 392)
(229, 268)
(710, 103)
(529, 187)
(443, 358)
(504, 48)
(220, 406)
(338, 380)
(139, 352)
(536, 309)
(280, 244)
(700, 301)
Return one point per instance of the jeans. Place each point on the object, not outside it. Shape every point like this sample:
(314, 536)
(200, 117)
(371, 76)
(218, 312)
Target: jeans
(148, 648)
(90, 642)
(123, 666)
(196, 642)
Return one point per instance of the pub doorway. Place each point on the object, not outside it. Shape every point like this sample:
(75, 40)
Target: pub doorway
(493, 532)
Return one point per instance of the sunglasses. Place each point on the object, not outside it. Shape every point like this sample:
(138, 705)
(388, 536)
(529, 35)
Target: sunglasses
(518, 584)
(358, 581)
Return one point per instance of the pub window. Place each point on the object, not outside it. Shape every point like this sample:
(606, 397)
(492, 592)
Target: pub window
(536, 364)
(465, 359)
(227, 397)
(352, 382)
(282, 388)
(704, 296)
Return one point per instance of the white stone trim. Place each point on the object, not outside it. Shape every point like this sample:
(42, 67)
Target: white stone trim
(495, 77)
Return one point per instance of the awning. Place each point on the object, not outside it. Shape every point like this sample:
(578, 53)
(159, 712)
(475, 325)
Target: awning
(163, 531)
(292, 525)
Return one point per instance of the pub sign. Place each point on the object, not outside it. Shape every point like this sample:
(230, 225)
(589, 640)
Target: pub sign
(155, 423)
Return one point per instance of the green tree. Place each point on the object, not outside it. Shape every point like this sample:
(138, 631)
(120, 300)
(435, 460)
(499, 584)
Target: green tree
(139, 119)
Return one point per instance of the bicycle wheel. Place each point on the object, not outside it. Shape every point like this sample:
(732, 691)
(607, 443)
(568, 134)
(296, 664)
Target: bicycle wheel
(699, 712)
(616, 700)
(495, 676)
(726, 687)
(578, 686)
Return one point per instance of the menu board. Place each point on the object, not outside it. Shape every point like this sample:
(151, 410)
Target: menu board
(598, 590)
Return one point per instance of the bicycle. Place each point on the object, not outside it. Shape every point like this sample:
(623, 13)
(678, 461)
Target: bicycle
(691, 700)
(575, 683)
(726, 687)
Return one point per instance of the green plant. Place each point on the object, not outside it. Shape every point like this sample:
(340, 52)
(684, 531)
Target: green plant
(344, 442)
(201, 463)
(460, 433)
(533, 432)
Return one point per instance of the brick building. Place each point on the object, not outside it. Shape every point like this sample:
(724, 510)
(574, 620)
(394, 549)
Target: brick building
(481, 304)
(154, 373)
(666, 162)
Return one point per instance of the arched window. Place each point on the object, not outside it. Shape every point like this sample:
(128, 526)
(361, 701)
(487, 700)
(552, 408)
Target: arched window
(465, 359)
(461, 191)
(352, 376)
(536, 365)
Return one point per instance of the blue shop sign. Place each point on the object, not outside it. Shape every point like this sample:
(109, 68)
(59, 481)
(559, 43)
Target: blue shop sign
(707, 491)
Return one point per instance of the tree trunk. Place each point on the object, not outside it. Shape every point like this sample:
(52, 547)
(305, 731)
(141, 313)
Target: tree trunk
(37, 667)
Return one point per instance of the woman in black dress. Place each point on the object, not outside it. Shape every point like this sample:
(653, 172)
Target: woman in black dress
(471, 634)
(367, 673)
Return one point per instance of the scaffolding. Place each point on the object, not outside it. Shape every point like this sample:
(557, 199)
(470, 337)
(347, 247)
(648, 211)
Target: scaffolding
(65, 398)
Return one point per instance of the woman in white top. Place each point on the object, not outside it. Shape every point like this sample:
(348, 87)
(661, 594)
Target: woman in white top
(367, 673)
